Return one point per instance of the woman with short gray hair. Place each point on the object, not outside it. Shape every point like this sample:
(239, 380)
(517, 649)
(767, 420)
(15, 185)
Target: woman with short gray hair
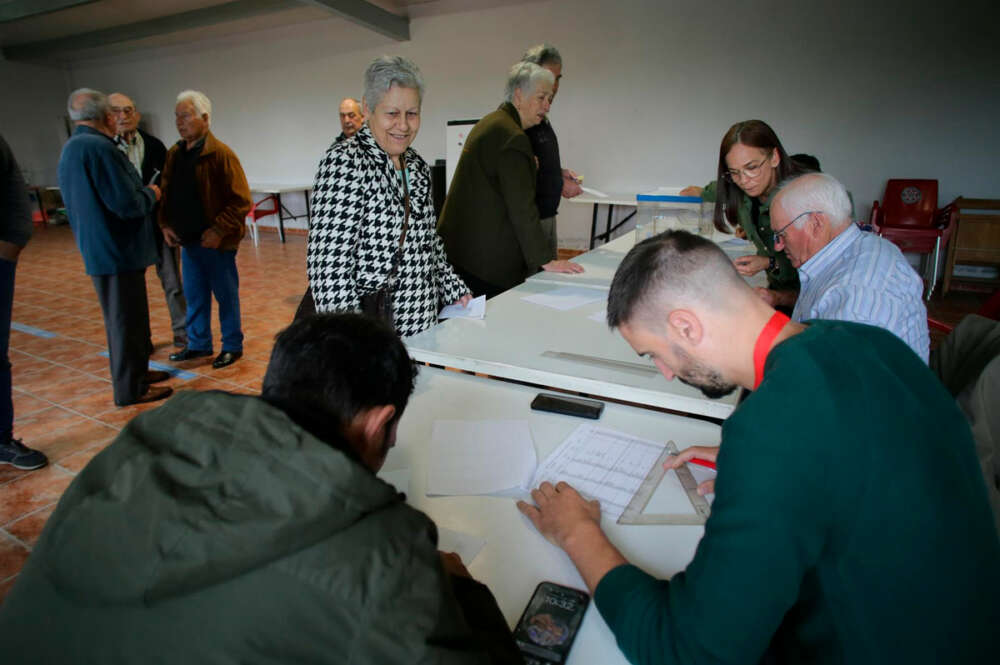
(490, 223)
(372, 244)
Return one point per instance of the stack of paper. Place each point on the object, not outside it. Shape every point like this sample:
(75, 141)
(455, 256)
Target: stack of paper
(566, 297)
(476, 309)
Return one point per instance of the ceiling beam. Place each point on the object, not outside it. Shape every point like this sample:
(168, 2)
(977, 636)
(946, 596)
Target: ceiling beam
(14, 10)
(368, 15)
(196, 18)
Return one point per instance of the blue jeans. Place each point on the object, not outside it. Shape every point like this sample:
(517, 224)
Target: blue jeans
(210, 272)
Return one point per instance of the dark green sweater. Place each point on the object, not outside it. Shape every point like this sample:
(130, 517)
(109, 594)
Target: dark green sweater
(850, 523)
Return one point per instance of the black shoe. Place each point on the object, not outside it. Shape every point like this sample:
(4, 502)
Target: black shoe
(152, 394)
(226, 358)
(188, 354)
(155, 376)
(20, 456)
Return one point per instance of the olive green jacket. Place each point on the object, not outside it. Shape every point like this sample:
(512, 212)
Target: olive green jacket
(216, 530)
(490, 223)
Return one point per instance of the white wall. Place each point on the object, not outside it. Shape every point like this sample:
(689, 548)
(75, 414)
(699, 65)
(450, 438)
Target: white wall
(875, 90)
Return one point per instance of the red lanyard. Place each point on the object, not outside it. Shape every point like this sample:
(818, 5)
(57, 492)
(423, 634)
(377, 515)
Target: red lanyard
(764, 343)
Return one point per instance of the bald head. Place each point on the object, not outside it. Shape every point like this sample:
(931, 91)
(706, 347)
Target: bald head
(350, 116)
(673, 270)
(126, 115)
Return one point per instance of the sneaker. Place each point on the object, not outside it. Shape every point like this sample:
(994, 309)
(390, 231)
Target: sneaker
(20, 456)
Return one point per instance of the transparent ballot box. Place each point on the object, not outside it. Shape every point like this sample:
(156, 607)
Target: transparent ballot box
(666, 209)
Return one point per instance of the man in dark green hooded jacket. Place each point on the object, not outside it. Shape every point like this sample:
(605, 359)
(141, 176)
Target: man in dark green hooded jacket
(236, 529)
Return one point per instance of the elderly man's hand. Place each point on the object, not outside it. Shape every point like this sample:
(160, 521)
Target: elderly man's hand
(709, 453)
(561, 512)
(571, 184)
(210, 239)
(170, 237)
(562, 266)
(751, 265)
(464, 300)
(156, 191)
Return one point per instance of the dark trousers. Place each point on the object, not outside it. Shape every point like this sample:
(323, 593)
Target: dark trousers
(7, 269)
(477, 286)
(126, 324)
(209, 272)
(168, 269)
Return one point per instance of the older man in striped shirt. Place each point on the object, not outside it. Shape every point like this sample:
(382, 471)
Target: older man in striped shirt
(845, 273)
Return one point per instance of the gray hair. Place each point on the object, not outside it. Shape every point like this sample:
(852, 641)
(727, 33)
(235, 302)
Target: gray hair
(675, 269)
(202, 104)
(525, 76)
(86, 104)
(542, 54)
(388, 71)
(819, 192)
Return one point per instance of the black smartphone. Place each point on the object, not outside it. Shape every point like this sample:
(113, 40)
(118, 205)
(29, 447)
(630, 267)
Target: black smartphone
(570, 406)
(549, 624)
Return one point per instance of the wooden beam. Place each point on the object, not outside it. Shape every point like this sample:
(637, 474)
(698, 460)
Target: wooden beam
(13, 10)
(368, 15)
(196, 18)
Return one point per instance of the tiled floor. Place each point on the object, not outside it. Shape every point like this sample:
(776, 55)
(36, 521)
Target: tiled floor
(62, 391)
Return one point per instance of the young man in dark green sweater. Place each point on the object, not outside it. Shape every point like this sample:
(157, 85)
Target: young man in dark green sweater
(841, 532)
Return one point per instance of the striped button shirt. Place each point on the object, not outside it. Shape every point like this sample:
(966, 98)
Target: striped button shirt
(861, 277)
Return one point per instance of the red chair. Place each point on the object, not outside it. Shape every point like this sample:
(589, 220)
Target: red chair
(910, 218)
(258, 210)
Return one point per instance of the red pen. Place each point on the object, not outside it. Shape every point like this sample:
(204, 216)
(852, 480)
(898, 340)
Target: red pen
(703, 462)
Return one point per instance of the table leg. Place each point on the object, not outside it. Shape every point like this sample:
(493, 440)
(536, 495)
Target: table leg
(281, 217)
(593, 227)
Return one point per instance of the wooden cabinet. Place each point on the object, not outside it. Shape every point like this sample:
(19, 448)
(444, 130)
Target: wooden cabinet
(976, 241)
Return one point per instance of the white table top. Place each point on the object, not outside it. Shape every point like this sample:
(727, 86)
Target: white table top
(511, 340)
(516, 558)
(275, 188)
(612, 198)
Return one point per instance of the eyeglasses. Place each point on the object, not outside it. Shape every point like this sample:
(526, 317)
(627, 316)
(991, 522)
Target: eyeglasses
(779, 235)
(123, 110)
(747, 173)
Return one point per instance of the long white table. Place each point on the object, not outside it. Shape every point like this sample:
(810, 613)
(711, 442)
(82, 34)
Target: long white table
(516, 558)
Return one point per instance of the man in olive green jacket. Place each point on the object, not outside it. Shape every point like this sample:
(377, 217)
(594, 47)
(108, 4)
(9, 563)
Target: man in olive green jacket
(236, 529)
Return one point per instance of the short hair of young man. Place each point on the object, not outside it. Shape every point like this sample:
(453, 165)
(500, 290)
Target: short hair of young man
(327, 368)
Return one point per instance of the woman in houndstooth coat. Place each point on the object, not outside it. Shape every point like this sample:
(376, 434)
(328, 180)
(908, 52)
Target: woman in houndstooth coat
(359, 203)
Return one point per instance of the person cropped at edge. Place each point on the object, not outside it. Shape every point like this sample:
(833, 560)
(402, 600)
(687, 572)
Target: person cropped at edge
(845, 273)
(109, 211)
(490, 222)
(351, 119)
(841, 534)
(15, 231)
(752, 162)
(554, 181)
(369, 192)
(229, 529)
(148, 155)
(206, 199)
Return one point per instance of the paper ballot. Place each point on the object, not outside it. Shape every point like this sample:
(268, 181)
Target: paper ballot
(566, 297)
(594, 192)
(465, 545)
(480, 457)
(476, 309)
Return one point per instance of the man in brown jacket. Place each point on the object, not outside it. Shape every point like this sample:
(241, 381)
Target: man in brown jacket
(205, 202)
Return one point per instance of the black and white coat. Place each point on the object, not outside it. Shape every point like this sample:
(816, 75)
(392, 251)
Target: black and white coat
(357, 218)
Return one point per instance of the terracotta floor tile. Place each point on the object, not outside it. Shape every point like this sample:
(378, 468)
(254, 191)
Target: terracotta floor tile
(50, 376)
(12, 556)
(31, 492)
(69, 350)
(9, 473)
(29, 528)
(85, 385)
(92, 404)
(74, 463)
(121, 415)
(46, 420)
(25, 404)
(84, 435)
(22, 364)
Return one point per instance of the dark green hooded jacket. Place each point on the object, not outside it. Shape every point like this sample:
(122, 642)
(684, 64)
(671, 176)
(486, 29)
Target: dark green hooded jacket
(216, 530)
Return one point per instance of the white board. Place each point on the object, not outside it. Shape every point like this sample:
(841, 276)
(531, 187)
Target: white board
(455, 133)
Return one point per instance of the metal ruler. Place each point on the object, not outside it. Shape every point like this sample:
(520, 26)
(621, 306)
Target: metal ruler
(633, 512)
(607, 363)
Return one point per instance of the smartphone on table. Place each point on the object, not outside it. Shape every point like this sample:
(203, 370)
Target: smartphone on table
(570, 406)
(549, 624)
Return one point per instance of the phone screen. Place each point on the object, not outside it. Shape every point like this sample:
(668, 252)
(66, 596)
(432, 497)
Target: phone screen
(549, 624)
(572, 406)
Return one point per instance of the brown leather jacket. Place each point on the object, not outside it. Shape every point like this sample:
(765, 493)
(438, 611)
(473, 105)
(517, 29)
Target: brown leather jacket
(222, 186)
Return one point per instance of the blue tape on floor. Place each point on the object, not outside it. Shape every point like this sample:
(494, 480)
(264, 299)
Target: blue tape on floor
(32, 330)
(169, 369)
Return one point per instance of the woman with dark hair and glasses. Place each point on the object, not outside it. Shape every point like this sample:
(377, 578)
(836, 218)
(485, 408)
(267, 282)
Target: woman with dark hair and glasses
(752, 162)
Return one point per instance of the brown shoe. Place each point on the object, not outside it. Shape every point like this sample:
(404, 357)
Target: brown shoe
(152, 394)
(155, 376)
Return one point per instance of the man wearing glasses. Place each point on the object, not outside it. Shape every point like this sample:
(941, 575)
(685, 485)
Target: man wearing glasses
(845, 273)
(148, 154)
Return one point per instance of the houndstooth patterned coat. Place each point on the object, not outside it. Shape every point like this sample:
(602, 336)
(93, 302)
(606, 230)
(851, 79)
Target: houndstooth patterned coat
(357, 219)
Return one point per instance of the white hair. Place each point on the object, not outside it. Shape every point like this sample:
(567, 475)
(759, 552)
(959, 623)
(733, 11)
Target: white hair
(202, 105)
(819, 192)
(86, 104)
(525, 76)
(388, 71)
(542, 54)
